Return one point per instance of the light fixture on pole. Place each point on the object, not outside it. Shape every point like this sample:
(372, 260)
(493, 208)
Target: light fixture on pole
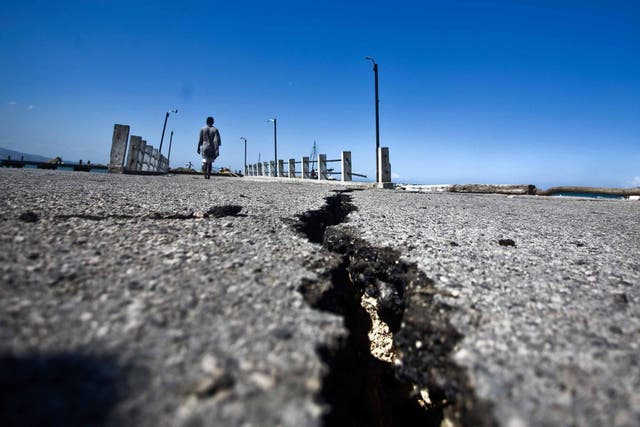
(275, 143)
(245, 154)
(166, 117)
(375, 73)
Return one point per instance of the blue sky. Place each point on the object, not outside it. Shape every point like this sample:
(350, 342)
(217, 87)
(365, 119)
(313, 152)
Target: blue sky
(539, 92)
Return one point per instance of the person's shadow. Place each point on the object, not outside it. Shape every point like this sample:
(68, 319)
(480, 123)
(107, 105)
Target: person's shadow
(59, 390)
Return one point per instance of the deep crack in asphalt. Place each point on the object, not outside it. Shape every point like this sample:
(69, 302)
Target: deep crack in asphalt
(425, 385)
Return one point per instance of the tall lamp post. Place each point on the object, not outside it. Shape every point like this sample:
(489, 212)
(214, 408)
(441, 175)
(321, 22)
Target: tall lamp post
(245, 154)
(166, 117)
(275, 142)
(169, 154)
(375, 73)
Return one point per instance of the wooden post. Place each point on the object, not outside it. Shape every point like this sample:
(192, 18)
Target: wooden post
(305, 168)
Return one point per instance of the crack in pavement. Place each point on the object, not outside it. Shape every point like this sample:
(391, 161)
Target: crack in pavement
(214, 212)
(425, 386)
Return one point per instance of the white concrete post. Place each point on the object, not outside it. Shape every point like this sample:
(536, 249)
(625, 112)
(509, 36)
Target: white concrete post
(266, 169)
(155, 156)
(384, 166)
(272, 168)
(118, 148)
(259, 169)
(292, 168)
(305, 168)
(140, 157)
(132, 156)
(322, 166)
(148, 152)
(280, 168)
(346, 166)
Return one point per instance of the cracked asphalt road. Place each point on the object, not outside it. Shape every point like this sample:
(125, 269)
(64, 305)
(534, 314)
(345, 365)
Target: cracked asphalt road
(551, 320)
(123, 289)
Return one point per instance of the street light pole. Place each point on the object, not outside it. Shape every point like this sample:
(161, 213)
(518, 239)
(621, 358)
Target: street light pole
(164, 127)
(245, 154)
(375, 73)
(275, 142)
(169, 154)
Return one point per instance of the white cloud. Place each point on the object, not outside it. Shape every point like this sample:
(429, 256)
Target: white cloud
(635, 182)
(12, 103)
(30, 107)
(395, 175)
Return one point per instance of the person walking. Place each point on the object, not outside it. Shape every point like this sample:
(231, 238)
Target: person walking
(209, 146)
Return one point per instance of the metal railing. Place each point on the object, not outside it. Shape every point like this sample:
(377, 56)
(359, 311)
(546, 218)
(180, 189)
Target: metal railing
(307, 168)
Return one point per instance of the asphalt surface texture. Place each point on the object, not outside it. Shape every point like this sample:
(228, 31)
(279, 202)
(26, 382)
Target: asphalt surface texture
(179, 301)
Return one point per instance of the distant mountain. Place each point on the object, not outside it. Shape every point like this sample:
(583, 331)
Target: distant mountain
(16, 155)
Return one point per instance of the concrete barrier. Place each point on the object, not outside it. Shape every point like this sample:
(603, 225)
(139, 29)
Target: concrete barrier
(292, 168)
(384, 166)
(322, 166)
(346, 166)
(276, 169)
(118, 148)
(140, 157)
(132, 156)
(280, 168)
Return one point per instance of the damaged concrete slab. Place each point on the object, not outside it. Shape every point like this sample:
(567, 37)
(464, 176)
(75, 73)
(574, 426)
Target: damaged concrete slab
(137, 300)
(543, 292)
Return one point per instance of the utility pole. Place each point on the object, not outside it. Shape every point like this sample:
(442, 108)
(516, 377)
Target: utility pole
(275, 143)
(170, 141)
(245, 153)
(375, 73)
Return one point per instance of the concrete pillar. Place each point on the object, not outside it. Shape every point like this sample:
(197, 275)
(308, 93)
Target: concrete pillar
(272, 168)
(162, 166)
(259, 169)
(155, 157)
(322, 166)
(132, 156)
(346, 166)
(140, 157)
(292, 168)
(266, 169)
(280, 168)
(146, 163)
(384, 166)
(118, 148)
(305, 168)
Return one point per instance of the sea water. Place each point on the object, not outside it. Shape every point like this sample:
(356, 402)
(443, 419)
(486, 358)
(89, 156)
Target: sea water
(589, 195)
